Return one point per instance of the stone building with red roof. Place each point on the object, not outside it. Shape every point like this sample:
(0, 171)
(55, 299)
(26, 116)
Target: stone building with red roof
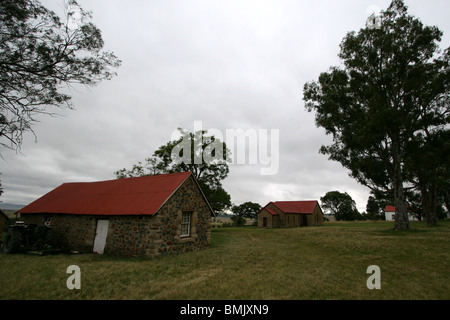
(282, 214)
(151, 215)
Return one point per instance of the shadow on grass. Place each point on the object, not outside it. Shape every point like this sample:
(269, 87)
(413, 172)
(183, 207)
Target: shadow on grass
(401, 233)
(417, 227)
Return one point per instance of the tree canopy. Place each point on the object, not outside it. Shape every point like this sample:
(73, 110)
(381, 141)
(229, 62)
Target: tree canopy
(341, 205)
(41, 55)
(394, 85)
(202, 154)
(245, 210)
(373, 209)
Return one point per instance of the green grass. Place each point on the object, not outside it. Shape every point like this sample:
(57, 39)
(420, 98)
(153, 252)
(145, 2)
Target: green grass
(327, 262)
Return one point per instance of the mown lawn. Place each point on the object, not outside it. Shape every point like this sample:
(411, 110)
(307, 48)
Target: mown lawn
(327, 262)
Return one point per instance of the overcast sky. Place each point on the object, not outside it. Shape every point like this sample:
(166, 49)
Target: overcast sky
(229, 64)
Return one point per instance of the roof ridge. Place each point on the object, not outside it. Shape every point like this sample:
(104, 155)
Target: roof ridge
(128, 178)
(295, 201)
(294, 208)
(125, 196)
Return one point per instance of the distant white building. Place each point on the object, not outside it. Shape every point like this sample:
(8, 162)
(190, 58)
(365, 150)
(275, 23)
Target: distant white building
(389, 213)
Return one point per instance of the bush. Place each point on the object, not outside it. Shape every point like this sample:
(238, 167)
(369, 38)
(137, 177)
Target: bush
(240, 221)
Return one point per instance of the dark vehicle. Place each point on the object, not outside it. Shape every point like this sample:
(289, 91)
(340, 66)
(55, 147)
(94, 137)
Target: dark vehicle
(28, 237)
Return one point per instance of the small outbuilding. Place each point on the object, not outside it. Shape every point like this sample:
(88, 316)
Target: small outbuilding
(151, 215)
(389, 214)
(281, 214)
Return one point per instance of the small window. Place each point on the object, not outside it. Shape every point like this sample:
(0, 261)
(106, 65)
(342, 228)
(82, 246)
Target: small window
(186, 224)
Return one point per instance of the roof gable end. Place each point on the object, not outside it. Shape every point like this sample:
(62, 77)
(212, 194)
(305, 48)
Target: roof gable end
(303, 207)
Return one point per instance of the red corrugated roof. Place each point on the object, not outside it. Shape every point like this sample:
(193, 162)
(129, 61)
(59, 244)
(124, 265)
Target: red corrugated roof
(128, 196)
(271, 211)
(390, 209)
(304, 207)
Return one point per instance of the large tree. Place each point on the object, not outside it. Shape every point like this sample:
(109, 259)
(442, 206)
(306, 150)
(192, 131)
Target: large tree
(341, 205)
(41, 55)
(394, 84)
(427, 165)
(202, 154)
(245, 210)
(373, 210)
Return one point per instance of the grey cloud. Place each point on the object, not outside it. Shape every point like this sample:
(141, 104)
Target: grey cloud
(230, 64)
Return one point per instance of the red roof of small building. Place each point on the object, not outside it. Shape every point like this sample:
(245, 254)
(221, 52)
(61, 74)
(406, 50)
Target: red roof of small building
(389, 209)
(271, 211)
(128, 196)
(304, 207)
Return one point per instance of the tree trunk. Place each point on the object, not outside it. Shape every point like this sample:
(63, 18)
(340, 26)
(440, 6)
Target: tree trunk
(429, 202)
(401, 213)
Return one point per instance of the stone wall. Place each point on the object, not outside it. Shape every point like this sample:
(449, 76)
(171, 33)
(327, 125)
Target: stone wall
(74, 232)
(273, 221)
(187, 199)
(139, 235)
(317, 216)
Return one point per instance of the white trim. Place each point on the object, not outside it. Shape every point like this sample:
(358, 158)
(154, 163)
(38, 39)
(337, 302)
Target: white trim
(186, 219)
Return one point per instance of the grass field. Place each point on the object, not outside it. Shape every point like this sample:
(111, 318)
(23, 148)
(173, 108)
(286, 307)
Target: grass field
(327, 262)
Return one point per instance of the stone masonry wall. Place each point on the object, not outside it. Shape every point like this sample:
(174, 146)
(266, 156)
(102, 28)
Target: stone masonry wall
(161, 233)
(272, 221)
(317, 216)
(75, 232)
(189, 199)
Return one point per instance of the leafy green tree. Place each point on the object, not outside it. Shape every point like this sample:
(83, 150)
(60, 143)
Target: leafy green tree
(427, 166)
(394, 84)
(218, 198)
(245, 210)
(341, 205)
(373, 210)
(238, 221)
(40, 55)
(202, 154)
(149, 168)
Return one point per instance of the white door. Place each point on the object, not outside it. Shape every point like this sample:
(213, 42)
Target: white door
(100, 236)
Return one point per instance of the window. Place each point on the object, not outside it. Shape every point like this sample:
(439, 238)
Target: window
(186, 224)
